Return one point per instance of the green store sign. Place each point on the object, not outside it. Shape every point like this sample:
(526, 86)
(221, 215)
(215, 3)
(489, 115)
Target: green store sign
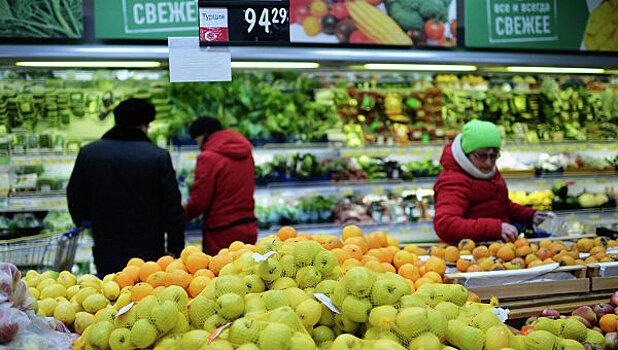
(145, 19)
(529, 24)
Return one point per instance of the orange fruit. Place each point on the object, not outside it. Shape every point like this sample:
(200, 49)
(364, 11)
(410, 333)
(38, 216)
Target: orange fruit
(375, 265)
(341, 254)
(437, 251)
(391, 250)
(486, 263)
(332, 243)
(597, 249)
(178, 278)
(521, 242)
(367, 258)
(436, 265)
(409, 271)
(392, 241)
(372, 241)
(403, 257)
(480, 252)
(190, 249)
(351, 231)
(123, 279)
(204, 272)
(136, 262)
(381, 237)
(197, 285)
(523, 251)
(463, 264)
(534, 263)
(378, 253)
(585, 244)
(474, 268)
(493, 248)
(218, 261)
(164, 261)
(419, 282)
(235, 254)
(530, 258)
(306, 236)
(147, 269)
(545, 243)
(608, 323)
(286, 232)
(389, 268)
(140, 291)
(466, 244)
(156, 279)
(235, 246)
(433, 276)
(133, 271)
(543, 253)
(176, 265)
(473, 297)
(556, 247)
(505, 253)
(359, 241)
(197, 261)
(451, 254)
(349, 263)
(354, 251)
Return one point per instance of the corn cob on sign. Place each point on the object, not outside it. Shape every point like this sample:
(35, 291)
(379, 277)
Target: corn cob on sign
(244, 22)
(543, 24)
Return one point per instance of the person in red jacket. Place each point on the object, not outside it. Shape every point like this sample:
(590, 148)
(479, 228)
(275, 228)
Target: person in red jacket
(470, 194)
(223, 187)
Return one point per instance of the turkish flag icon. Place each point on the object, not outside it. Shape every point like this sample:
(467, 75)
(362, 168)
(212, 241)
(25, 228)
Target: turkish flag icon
(213, 34)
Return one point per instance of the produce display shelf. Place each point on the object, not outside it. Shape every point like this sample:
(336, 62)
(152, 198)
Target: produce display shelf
(31, 209)
(599, 281)
(522, 309)
(522, 289)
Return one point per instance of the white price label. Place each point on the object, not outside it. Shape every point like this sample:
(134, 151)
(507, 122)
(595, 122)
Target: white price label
(326, 301)
(125, 309)
(257, 257)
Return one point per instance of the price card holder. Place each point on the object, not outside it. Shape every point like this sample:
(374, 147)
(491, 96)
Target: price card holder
(229, 23)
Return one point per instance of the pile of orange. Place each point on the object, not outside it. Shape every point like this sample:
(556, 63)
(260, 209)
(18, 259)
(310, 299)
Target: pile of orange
(523, 254)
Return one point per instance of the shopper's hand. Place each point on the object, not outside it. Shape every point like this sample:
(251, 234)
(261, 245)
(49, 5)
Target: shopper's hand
(539, 217)
(509, 232)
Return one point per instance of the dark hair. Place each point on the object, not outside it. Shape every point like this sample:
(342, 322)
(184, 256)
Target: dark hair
(204, 126)
(134, 112)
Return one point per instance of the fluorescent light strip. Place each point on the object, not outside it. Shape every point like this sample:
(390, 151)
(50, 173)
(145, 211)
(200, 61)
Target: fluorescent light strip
(275, 65)
(518, 69)
(421, 67)
(91, 64)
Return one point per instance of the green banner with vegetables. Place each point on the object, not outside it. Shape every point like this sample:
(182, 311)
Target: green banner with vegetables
(145, 19)
(383, 22)
(543, 24)
(51, 19)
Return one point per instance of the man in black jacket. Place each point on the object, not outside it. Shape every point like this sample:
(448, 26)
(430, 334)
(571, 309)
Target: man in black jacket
(126, 187)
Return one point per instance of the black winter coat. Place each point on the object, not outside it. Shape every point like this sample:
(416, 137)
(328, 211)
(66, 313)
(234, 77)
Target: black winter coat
(126, 187)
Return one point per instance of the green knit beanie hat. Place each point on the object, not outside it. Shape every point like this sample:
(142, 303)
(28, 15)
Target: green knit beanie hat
(479, 134)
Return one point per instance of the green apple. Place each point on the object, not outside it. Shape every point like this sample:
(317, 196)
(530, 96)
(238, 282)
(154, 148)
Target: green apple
(402, 284)
(269, 270)
(120, 339)
(165, 316)
(175, 294)
(100, 333)
(356, 309)
(254, 305)
(295, 296)
(274, 299)
(193, 339)
(384, 292)
(201, 308)
(345, 324)
(254, 283)
(248, 346)
(322, 334)
(347, 342)
(143, 334)
(382, 317)
(385, 344)
(412, 321)
(276, 336)
(219, 344)
(283, 283)
(359, 280)
(230, 306)
(309, 312)
(268, 246)
(305, 251)
(288, 266)
(301, 341)
(338, 294)
(213, 322)
(409, 301)
(285, 315)
(308, 276)
(325, 287)
(209, 291)
(244, 331)
(328, 317)
(230, 284)
(325, 261)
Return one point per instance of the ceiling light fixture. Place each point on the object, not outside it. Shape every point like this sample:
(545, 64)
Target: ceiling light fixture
(421, 67)
(91, 64)
(275, 65)
(562, 70)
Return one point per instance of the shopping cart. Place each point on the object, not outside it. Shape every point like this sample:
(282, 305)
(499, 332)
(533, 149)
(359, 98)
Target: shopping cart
(48, 251)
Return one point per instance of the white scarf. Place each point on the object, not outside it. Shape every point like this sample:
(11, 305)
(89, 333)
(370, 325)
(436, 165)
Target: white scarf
(466, 164)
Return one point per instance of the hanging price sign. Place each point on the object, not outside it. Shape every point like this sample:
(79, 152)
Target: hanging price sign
(228, 23)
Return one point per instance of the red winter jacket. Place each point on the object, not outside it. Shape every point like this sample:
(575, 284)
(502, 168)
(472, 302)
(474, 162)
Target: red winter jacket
(467, 207)
(223, 191)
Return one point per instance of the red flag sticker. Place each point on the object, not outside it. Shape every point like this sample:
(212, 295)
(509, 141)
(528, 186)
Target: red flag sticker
(213, 24)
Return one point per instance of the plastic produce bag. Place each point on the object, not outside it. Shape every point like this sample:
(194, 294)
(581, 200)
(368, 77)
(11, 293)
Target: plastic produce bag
(13, 290)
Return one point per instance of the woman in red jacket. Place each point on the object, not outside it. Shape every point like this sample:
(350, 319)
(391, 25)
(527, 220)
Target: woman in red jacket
(471, 195)
(223, 187)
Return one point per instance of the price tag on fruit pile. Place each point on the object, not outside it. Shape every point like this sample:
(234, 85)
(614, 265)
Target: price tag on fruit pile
(229, 23)
(326, 301)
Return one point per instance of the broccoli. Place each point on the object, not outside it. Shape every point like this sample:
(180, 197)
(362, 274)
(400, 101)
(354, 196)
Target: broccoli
(406, 19)
(431, 9)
